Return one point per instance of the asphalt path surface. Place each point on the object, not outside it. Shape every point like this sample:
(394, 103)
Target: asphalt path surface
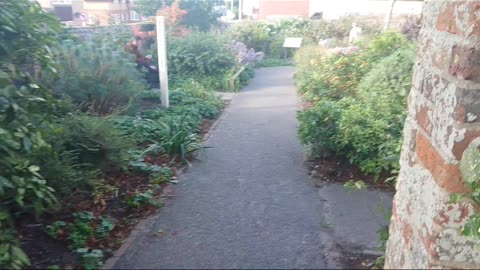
(248, 201)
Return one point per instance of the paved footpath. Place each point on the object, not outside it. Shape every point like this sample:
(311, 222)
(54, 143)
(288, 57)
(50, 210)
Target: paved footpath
(248, 202)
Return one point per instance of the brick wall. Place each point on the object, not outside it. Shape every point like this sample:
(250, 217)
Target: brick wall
(272, 9)
(443, 118)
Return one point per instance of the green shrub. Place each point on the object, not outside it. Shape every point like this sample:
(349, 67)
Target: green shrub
(318, 127)
(97, 77)
(143, 198)
(359, 102)
(371, 126)
(61, 170)
(332, 76)
(142, 130)
(268, 37)
(194, 95)
(199, 54)
(177, 138)
(190, 103)
(245, 76)
(307, 56)
(253, 34)
(25, 107)
(94, 141)
(336, 75)
(383, 45)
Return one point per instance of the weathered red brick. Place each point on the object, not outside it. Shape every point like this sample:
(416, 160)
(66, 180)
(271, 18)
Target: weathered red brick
(407, 232)
(468, 106)
(453, 13)
(459, 147)
(423, 120)
(465, 63)
(446, 19)
(430, 83)
(429, 242)
(446, 175)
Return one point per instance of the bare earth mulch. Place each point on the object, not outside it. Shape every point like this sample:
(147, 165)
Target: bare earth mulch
(44, 251)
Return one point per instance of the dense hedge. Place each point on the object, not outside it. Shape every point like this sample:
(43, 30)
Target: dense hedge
(268, 37)
(359, 102)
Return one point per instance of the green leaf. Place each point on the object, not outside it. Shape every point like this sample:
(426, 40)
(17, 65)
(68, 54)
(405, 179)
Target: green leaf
(355, 185)
(33, 168)
(8, 28)
(20, 255)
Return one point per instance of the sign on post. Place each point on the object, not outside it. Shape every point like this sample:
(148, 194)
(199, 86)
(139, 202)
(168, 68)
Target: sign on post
(162, 60)
(292, 42)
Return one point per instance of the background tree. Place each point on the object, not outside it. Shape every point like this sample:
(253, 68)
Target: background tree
(201, 14)
(148, 8)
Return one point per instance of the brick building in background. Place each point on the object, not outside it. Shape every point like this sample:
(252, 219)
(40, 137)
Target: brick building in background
(327, 9)
(278, 9)
(91, 12)
(443, 119)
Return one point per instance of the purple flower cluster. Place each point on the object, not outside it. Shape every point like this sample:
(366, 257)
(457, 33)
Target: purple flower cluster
(245, 56)
(344, 50)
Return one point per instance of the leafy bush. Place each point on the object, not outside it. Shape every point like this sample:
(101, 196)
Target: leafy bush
(331, 76)
(253, 34)
(268, 37)
(177, 139)
(336, 75)
(307, 55)
(201, 14)
(62, 172)
(371, 127)
(97, 77)
(318, 126)
(11, 254)
(190, 104)
(384, 45)
(25, 107)
(199, 54)
(94, 141)
(157, 174)
(359, 102)
(140, 129)
(143, 198)
(91, 259)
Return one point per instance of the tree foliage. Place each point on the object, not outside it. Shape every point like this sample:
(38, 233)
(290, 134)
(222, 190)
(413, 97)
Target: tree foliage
(148, 8)
(25, 106)
(200, 14)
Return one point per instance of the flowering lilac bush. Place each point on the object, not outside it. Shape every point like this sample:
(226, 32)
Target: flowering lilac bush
(245, 56)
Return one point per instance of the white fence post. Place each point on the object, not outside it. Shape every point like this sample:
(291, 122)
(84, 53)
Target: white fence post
(162, 60)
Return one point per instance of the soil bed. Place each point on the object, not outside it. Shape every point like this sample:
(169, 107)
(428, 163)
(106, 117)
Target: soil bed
(333, 169)
(45, 251)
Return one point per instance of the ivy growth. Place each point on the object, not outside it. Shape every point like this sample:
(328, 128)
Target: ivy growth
(470, 170)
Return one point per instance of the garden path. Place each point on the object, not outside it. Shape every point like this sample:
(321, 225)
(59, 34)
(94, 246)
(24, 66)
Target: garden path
(248, 201)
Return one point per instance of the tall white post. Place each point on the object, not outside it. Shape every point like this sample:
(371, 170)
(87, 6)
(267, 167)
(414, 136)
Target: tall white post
(162, 60)
(240, 5)
(388, 15)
